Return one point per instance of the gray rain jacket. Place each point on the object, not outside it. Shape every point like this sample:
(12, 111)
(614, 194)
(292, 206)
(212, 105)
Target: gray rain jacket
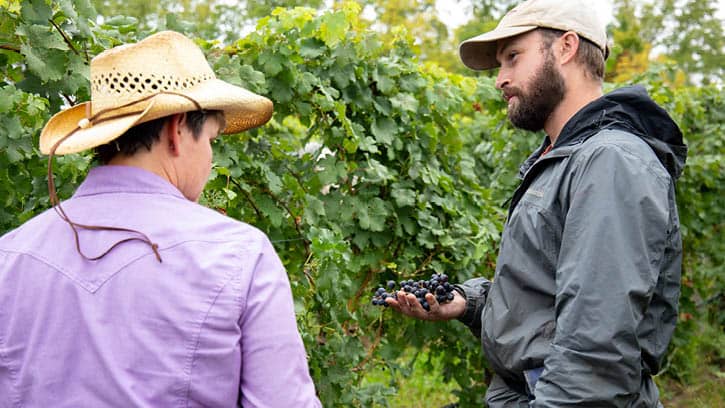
(588, 275)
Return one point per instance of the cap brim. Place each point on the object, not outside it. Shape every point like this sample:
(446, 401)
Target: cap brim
(479, 52)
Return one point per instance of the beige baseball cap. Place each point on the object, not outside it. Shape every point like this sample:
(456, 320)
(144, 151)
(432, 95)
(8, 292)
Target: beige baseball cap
(569, 15)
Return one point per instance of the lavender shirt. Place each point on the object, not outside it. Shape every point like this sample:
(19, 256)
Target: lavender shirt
(212, 326)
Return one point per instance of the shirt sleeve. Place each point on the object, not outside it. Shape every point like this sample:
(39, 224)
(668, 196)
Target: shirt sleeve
(614, 237)
(274, 369)
(475, 291)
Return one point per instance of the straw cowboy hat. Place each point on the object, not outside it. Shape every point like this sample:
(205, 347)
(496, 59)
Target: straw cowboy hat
(164, 74)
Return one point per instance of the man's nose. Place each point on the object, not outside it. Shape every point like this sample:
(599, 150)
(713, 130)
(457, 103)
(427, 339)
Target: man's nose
(501, 79)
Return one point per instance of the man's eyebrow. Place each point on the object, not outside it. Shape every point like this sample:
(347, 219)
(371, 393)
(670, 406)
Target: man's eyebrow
(509, 43)
(501, 50)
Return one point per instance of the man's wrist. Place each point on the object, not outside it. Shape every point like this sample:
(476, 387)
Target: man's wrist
(466, 316)
(458, 299)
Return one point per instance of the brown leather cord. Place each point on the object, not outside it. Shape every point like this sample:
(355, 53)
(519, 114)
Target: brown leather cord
(54, 194)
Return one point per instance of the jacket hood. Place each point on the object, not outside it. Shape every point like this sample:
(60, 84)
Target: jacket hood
(630, 109)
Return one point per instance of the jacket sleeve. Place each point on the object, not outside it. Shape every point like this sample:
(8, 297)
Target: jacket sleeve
(274, 370)
(615, 232)
(475, 291)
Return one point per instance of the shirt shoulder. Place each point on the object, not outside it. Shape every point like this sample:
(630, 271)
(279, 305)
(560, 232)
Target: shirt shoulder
(168, 222)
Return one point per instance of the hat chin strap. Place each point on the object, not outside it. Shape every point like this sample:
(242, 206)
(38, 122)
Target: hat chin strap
(86, 122)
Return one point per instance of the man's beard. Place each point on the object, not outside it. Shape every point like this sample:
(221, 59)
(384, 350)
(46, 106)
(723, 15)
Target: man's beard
(536, 105)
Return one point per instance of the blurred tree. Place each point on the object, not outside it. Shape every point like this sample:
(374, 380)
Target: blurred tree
(684, 33)
(258, 9)
(629, 54)
(214, 19)
(420, 19)
(693, 37)
(486, 14)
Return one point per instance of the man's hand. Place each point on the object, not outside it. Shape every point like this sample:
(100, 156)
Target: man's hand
(408, 305)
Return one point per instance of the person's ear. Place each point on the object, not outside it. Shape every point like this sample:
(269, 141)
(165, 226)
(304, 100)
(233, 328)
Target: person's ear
(172, 133)
(568, 45)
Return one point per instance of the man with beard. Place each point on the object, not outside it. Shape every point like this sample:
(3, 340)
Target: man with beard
(584, 299)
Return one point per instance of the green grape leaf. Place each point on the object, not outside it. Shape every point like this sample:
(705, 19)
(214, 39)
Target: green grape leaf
(333, 28)
(47, 64)
(384, 129)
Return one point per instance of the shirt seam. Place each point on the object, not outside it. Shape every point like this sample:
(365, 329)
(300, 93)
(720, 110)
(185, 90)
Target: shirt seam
(13, 371)
(85, 286)
(650, 166)
(150, 192)
(193, 351)
(65, 273)
(244, 295)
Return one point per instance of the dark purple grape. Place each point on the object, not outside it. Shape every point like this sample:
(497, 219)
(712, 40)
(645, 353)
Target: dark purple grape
(437, 285)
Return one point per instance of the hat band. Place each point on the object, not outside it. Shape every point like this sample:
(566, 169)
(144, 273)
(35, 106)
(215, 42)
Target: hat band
(55, 202)
(96, 118)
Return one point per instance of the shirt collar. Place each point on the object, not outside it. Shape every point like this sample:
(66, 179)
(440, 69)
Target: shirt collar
(124, 179)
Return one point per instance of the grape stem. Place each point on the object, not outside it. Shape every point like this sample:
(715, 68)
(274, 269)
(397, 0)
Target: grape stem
(353, 302)
(427, 261)
(378, 337)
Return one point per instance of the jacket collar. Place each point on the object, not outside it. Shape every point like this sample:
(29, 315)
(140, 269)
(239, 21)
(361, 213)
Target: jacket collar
(629, 109)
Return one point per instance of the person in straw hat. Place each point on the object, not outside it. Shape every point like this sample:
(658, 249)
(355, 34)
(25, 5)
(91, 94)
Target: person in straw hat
(584, 299)
(130, 293)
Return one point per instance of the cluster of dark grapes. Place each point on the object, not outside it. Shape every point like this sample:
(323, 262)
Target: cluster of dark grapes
(438, 285)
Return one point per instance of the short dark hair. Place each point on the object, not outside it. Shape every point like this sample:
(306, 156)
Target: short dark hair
(588, 54)
(147, 133)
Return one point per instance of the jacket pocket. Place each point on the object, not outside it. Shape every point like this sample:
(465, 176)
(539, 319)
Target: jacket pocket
(532, 377)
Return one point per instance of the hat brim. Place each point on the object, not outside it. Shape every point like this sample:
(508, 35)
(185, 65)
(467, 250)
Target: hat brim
(64, 122)
(242, 109)
(479, 52)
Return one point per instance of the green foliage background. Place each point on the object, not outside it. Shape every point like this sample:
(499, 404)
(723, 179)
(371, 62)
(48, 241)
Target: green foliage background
(375, 166)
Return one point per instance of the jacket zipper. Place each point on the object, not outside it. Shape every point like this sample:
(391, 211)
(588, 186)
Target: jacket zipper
(529, 177)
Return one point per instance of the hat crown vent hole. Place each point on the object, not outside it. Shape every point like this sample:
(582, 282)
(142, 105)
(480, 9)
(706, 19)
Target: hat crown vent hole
(116, 83)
